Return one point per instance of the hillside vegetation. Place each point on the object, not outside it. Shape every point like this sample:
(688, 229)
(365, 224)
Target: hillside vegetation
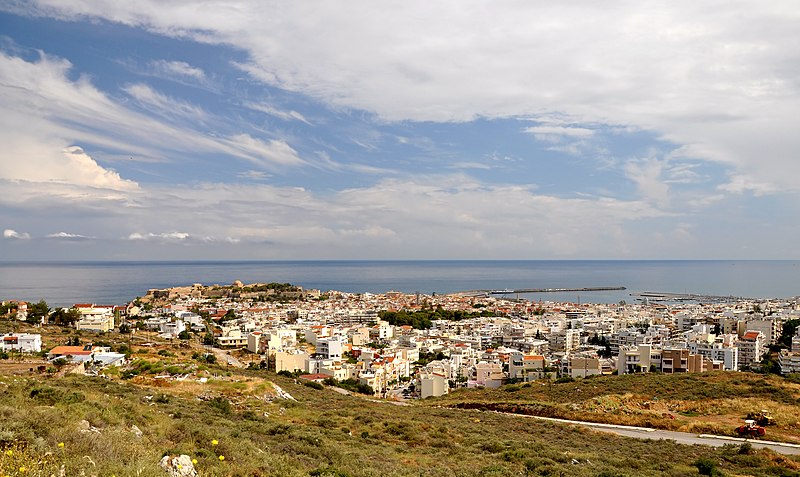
(122, 422)
(710, 402)
(84, 425)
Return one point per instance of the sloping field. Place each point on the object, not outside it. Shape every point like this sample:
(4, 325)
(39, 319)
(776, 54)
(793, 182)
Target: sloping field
(238, 416)
(710, 403)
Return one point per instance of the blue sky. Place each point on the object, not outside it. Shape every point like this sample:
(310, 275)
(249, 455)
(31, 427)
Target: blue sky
(384, 130)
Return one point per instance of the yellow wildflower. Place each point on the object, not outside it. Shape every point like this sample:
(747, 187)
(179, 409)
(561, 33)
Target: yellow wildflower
(194, 461)
(222, 457)
(61, 444)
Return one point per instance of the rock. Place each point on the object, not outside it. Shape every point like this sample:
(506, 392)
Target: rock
(84, 427)
(178, 466)
(136, 431)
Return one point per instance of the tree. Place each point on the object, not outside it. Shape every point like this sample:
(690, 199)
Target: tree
(229, 315)
(37, 312)
(8, 308)
(65, 317)
(769, 365)
(789, 330)
(208, 339)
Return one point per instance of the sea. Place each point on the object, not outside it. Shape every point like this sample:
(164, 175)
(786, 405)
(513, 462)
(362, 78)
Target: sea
(108, 282)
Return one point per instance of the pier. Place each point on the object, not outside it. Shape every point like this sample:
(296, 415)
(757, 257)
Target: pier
(678, 297)
(536, 290)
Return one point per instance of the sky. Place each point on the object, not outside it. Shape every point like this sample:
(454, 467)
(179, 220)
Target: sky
(462, 129)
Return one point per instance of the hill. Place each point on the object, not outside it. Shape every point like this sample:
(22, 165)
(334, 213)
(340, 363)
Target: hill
(241, 416)
(714, 403)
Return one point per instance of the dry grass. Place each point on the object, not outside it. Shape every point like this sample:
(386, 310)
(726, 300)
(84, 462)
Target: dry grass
(323, 433)
(717, 401)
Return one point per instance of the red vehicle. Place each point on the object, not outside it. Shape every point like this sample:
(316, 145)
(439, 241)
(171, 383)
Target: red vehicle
(750, 429)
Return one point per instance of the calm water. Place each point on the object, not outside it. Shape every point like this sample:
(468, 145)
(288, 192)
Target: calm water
(66, 283)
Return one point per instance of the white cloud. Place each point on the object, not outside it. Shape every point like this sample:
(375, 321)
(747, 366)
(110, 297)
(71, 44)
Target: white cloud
(647, 175)
(739, 184)
(178, 69)
(168, 236)
(267, 153)
(68, 236)
(84, 170)
(253, 175)
(724, 85)
(290, 115)
(45, 112)
(558, 133)
(163, 105)
(683, 173)
(470, 165)
(13, 234)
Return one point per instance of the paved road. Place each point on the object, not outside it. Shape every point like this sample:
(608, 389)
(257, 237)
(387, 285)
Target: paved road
(679, 437)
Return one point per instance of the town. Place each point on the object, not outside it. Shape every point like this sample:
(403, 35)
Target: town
(401, 346)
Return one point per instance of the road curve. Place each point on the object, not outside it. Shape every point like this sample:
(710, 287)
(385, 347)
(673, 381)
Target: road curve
(679, 437)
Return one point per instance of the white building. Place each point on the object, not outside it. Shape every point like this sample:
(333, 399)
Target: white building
(638, 359)
(171, 329)
(329, 348)
(433, 385)
(582, 367)
(790, 362)
(22, 342)
(771, 329)
(232, 337)
(564, 340)
(488, 375)
(525, 367)
(290, 361)
(751, 347)
(95, 318)
(717, 351)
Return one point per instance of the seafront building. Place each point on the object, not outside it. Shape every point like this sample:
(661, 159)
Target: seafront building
(343, 336)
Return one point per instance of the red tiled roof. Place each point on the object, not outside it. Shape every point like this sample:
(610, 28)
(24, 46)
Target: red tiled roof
(314, 377)
(73, 350)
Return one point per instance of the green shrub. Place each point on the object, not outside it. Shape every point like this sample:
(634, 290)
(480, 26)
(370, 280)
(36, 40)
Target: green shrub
(313, 385)
(220, 404)
(706, 466)
(52, 396)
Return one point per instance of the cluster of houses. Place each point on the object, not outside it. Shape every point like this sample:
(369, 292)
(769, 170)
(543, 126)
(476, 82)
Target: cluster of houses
(31, 343)
(342, 336)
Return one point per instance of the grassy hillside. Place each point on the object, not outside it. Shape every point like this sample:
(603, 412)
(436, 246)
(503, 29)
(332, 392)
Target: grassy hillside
(323, 433)
(710, 402)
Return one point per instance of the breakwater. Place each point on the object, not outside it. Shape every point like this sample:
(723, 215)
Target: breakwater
(536, 290)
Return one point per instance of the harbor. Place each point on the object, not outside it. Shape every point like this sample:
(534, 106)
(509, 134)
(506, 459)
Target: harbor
(649, 296)
(518, 291)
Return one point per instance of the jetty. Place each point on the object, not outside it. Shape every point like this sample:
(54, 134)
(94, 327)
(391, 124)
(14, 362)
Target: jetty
(683, 297)
(518, 291)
